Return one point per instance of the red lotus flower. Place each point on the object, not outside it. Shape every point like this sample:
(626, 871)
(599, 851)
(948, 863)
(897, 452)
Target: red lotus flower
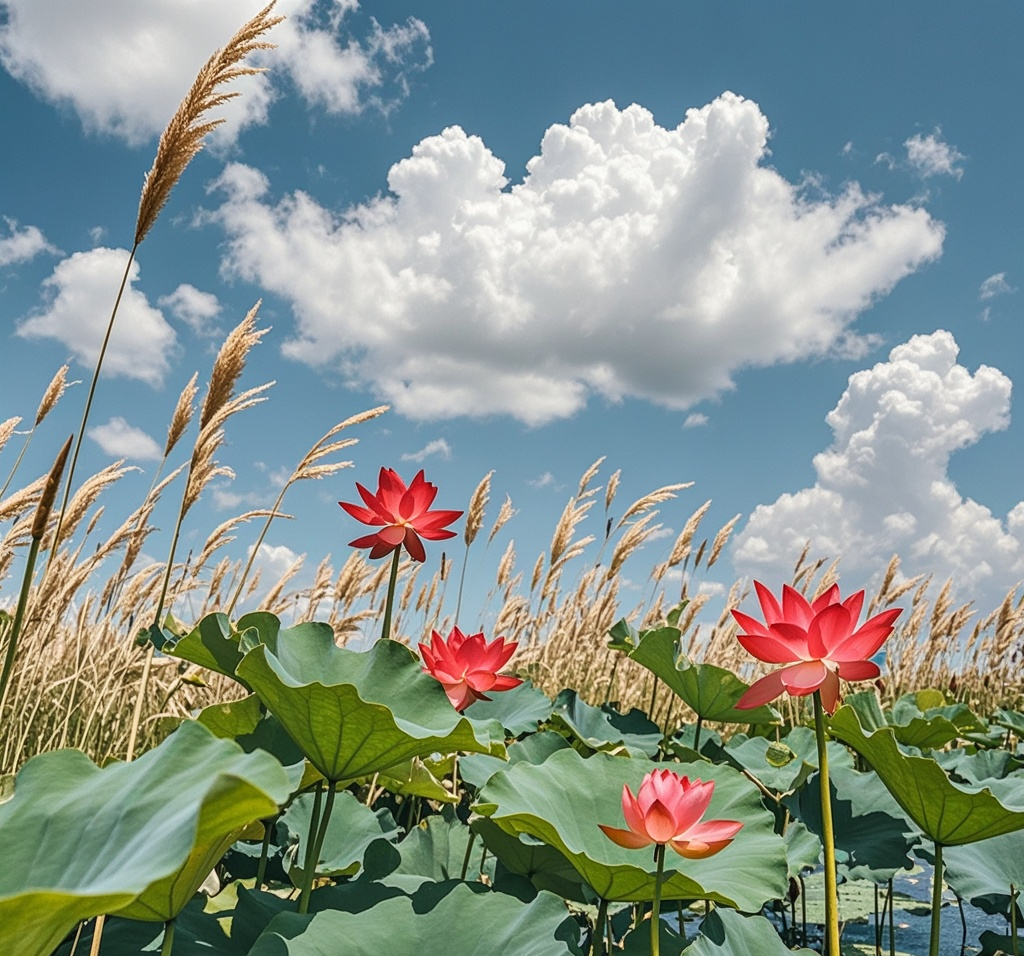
(467, 667)
(667, 810)
(403, 514)
(818, 641)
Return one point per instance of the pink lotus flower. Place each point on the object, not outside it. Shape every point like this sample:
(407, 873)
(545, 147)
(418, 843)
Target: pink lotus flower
(403, 514)
(818, 641)
(467, 667)
(667, 810)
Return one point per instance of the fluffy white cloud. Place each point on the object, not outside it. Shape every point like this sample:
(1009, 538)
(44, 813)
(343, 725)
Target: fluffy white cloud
(930, 156)
(633, 260)
(22, 244)
(124, 66)
(122, 440)
(883, 486)
(195, 308)
(995, 285)
(695, 420)
(436, 447)
(80, 294)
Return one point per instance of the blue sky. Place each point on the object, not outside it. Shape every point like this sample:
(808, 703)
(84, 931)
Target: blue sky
(770, 249)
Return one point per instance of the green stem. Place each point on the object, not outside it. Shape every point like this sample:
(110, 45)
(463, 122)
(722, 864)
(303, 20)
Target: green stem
(261, 871)
(392, 582)
(597, 949)
(659, 859)
(469, 850)
(827, 833)
(696, 733)
(165, 950)
(1013, 919)
(310, 861)
(892, 923)
(933, 945)
(19, 616)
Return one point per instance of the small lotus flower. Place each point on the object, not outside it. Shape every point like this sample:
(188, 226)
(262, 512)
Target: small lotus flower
(403, 516)
(467, 666)
(667, 811)
(819, 641)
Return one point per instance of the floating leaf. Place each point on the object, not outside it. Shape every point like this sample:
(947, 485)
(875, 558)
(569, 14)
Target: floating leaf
(944, 812)
(562, 801)
(486, 922)
(604, 728)
(710, 691)
(138, 837)
(355, 713)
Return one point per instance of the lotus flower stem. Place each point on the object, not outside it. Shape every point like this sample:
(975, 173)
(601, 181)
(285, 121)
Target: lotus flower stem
(165, 950)
(321, 833)
(392, 582)
(597, 948)
(933, 944)
(469, 850)
(659, 878)
(892, 922)
(827, 833)
(696, 733)
(310, 861)
(1013, 920)
(261, 870)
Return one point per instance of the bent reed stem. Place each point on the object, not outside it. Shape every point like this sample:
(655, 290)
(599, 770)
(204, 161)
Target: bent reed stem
(827, 833)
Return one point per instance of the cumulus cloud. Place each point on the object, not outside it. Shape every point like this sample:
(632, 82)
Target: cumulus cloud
(695, 420)
(79, 295)
(930, 156)
(437, 447)
(22, 244)
(546, 480)
(883, 486)
(994, 285)
(124, 67)
(196, 309)
(633, 260)
(122, 440)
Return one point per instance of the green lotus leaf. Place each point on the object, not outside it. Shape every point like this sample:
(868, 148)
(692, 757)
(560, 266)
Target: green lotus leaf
(562, 801)
(776, 765)
(1011, 720)
(351, 829)
(604, 728)
(436, 850)
(519, 710)
(252, 727)
(803, 848)
(477, 769)
(983, 873)
(725, 933)
(873, 837)
(137, 837)
(638, 941)
(542, 866)
(215, 644)
(944, 812)
(459, 919)
(979, 767)
(355, 713)
(710, 691)
(995, 944)
(415, 778)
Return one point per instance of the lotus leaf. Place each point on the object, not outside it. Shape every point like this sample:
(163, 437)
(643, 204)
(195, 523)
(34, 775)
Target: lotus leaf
(477, 769)
(982, 873)
(944, 812)
(355, 713)
(519, 710)
(215, 644)
(605, 728)
(487, 922)
(351, 829)
(562, 801)
(724, 933)
(710, 691)
(78, 841)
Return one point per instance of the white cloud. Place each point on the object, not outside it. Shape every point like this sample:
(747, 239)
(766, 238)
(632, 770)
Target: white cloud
(883, 486)
(195, 308)
(122, 440)
(995, 285)
(632, 261)
(546, 480)
(930, 156)
(79, 296)
(124, 67)
(695, 420)
(437, 447)
(22, 244)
